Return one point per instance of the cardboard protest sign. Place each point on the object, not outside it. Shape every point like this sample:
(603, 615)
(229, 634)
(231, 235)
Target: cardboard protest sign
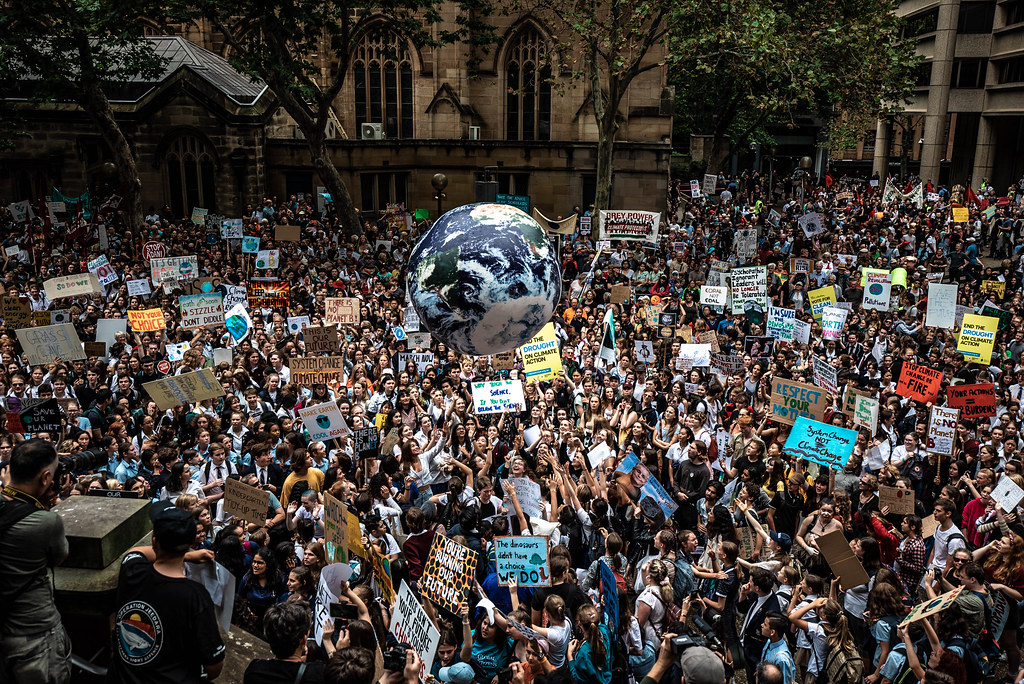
(448, 573)
(323, 421)
(45, 343)
(343, 310)
(72, 286)
(935, 605)
(524, 557)
(620, 294)
(942, 429)
(319, 339)
(313, 370)
(842, 560)
(541, 357)
(201, 310)
(497, 396)
(748, 541)
(792, 399)
(187, 388)
(826, 445)
(365, 442)
(16, 312)
(821, 298)
(288, 233)
(335, 529)
(710, 338)
(245, 502)
(503, 361)
(865, 413)
(1006, 493)
(920, 383)
(899, 501)
(391, 441)
(411, 625)
(974, 401)
(147, 320)
(941, 311)
(977, 337)
(635, 480)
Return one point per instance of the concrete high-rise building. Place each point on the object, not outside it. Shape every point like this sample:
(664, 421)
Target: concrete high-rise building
(966, 117)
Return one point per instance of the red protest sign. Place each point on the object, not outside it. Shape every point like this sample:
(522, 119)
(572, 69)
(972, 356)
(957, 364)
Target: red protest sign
(920, 383)
(974, 401)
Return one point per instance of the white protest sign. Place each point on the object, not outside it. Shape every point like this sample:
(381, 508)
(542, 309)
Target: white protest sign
(711, 295)
(528, 493)
(1007, 494)
(422, 360)
(877, 289)
(812, 224)
(411, 625)
(832, 321)
(323, 421)
(103, 271)
(941, 311)
(748, 284)
(781, 323)
(865, 413)
(802, 332)
(297, 324)
(496, 396)
(644, 351)
(139, 287)
(699, 355)
(268, 258)
(942, 430)
(176, 352)
(327, 591)
(598, 454)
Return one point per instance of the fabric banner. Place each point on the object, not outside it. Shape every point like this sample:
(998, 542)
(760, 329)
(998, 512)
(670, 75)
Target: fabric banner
(566, 226)
(628, 225)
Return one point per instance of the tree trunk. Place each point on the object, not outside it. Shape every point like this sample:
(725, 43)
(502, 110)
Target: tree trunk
(605, 156)
(95, 103)
(719, 154)
(340, 196)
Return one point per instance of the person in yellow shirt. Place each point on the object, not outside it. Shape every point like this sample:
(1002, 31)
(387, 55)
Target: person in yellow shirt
(302, 471)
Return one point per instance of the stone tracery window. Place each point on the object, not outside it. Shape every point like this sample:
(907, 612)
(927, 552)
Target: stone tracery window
(382, 81)
(527, 87)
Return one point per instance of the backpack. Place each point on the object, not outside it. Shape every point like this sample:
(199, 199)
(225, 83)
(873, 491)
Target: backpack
(841, 668)
(620, 661)
(683, 583)
(976, 659)
(957, 535)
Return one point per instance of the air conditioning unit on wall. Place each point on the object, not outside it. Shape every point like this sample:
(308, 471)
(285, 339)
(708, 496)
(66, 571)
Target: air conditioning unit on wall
(371, 131)
(474, 132)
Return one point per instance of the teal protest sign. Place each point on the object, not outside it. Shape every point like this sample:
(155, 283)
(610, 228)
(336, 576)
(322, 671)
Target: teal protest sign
(824, 444)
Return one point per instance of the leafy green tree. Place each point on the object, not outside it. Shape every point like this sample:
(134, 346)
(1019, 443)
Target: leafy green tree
(71, 51)
(741, 65)
(281, 43)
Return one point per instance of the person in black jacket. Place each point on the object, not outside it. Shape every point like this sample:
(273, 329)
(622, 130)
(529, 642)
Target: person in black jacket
(757, 599)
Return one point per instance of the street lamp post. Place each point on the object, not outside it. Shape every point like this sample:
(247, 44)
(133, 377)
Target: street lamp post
(440, 182)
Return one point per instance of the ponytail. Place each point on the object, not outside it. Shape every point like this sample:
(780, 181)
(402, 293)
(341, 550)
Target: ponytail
(837, 628)
(589, 622)
(658, 571)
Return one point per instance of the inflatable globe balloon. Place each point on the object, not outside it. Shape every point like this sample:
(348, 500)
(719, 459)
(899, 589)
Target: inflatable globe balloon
(484, 278)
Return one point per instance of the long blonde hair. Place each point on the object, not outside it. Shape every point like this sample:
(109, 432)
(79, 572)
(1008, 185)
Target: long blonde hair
(837, 629)
(658, 570)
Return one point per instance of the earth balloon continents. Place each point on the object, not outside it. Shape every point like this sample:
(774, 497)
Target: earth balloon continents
(484, 278)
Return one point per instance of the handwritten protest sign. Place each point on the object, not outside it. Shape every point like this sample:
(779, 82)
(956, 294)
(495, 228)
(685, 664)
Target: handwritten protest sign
(748, 285)
(920, 383)
(170, 269)
(323, 421)
(799, 265)
(139, 287)
(937, 604)
(313, 370)
(942, 429)
(411, 625)
(343, 310)
(974, 401)
(977, 337)
(792, 399)
(147, 320)
(620, 294)
(865, 413)
(832, 321)
(382, 574)
(187, 388)
(780, 323)
(16, 312)
(877, 288)
(104, 272)
(72, 286)
(541, 358)
(826, 445)
(201, 310)
(448, 573)
(320, 339)
(1007, 494)
(899, 501)
(365, 442)
(941, 312)
(423, 360)
(496, 396)
(712, 295)
(335, 529)
(245, 502)
(45, 343)
(825, 375)
(524, 557)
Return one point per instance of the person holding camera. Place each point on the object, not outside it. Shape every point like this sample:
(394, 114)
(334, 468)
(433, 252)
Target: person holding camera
(33, 644)
(286, 627)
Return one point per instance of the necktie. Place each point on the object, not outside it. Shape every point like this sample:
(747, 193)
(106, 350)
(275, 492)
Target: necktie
(219, 476)
(263, 476)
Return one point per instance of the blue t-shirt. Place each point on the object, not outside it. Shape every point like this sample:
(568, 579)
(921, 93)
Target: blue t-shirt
(492, 657)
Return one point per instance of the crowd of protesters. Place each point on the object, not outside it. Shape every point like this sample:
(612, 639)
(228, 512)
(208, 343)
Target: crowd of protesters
(693, 606)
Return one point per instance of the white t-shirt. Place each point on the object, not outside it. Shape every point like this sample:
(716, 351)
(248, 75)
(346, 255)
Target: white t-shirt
(944, 546)
(652, 598)
(558, 639)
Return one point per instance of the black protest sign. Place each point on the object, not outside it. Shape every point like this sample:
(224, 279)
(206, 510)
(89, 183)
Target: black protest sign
(365, 442)
(43, 417)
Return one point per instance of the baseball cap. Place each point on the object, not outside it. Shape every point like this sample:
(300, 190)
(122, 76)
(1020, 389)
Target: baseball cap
(172, 526)
(459, 673)
(782, 539)
(701, 666)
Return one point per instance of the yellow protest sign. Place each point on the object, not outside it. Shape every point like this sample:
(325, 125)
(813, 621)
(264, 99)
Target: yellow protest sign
(961, 215)
(541, 358)
(997, 286)
(899, 277)
(977, 337)
(821, 298)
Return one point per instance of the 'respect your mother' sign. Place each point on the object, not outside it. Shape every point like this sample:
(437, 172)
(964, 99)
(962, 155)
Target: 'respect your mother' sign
(524, 557)
(826, 445)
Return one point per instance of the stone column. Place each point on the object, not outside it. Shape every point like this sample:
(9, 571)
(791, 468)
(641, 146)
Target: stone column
(984, 151)
(934, 148)
(880, 163)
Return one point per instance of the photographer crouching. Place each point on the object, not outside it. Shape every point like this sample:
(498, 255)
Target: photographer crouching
(34, 648)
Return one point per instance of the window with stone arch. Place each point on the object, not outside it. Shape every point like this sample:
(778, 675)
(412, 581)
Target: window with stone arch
(527, 87)
(382, 79)
(190, 173)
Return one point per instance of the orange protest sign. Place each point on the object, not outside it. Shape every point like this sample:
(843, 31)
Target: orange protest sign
(920, 383)
(147, 320)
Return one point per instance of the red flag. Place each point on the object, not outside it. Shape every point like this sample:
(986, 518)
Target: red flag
(910, 186)
(829, 180)
(928, 187)
(971, 197)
